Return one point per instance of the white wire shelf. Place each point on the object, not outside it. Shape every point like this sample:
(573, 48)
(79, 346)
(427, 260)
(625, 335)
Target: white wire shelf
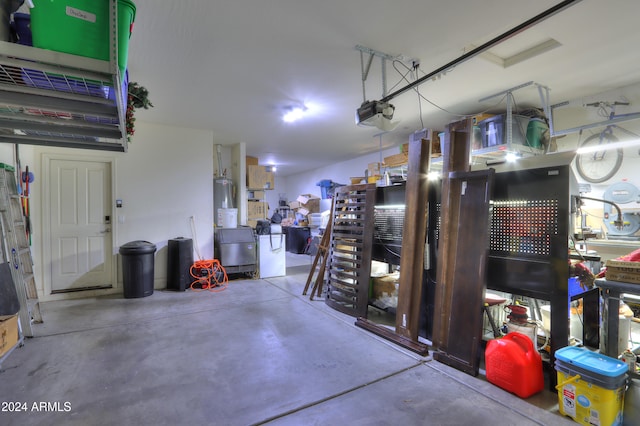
(57, 99)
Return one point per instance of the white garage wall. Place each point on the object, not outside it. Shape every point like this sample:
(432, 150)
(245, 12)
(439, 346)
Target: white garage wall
(163, 180)
(6, 153)
(305, 183)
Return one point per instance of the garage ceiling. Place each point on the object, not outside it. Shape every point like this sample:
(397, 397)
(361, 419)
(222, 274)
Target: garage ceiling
(235, 67)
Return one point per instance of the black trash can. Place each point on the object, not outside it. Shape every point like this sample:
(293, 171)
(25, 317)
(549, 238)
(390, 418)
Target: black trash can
(137, 268)
(297, 238)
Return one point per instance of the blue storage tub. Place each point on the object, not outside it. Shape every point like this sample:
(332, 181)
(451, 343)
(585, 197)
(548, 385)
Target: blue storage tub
(22, 26)
(602, 370)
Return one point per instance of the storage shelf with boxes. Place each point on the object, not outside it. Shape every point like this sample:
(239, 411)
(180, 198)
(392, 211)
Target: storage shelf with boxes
(260, 178)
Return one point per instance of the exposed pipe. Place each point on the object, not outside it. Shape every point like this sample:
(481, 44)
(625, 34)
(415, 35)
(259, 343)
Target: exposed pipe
(619, 223)
(219, 151)
(488, 45)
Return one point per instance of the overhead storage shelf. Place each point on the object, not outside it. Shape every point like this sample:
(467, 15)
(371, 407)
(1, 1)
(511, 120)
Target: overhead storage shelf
(57, 99)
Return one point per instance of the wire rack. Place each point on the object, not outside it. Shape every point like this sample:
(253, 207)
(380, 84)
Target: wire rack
(56, 99)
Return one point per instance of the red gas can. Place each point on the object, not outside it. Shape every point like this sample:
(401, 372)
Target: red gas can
(514, 364)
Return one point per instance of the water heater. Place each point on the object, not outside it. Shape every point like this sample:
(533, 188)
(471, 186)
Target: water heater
(222, 196)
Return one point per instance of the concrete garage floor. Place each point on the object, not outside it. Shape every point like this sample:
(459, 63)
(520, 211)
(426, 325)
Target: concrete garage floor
(257, 353)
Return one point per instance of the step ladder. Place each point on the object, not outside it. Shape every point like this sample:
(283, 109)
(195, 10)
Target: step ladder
(16, 249)
(320, 262)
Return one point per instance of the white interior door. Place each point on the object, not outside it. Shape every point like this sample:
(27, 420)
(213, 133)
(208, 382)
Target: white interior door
(80, 225)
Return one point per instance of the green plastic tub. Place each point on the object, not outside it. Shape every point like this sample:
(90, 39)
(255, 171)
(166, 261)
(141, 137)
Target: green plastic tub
(81, 27)
(535, 129)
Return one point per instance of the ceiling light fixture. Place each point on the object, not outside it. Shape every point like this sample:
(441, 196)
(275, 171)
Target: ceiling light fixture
(294, 114)
(511, 157)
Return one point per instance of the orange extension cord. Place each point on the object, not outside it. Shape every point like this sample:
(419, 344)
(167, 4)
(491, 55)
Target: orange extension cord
(210, 281)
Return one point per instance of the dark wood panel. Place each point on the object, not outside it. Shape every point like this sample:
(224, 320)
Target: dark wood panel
(349, 266)
(461, 344)
(414, 236)
(462, 254)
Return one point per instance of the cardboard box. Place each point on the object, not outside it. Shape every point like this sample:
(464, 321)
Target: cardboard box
(374, 169)
(8, 333)
(257, 209)
(256, 195)
(287, 221)
(260, 177)
(624, 277)
(307, 203)
(475, 119)
(385, 286)
(251, 161)
(623, 271)
(396, 160)
(623, 266)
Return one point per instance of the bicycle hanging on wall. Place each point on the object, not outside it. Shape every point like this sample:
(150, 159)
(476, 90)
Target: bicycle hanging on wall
(595, 161)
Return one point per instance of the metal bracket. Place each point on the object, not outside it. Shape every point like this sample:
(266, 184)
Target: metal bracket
(384, 57)
(543, 91)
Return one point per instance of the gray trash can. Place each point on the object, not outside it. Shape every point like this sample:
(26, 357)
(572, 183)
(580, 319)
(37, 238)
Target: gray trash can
(137, 268)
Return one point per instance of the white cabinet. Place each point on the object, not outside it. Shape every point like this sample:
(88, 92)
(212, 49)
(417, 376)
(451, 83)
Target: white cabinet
(272, 255)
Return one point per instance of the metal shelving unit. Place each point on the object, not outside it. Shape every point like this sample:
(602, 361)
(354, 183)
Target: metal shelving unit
(57, 99)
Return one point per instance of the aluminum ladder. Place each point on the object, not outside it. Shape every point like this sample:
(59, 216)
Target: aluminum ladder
(16, 249)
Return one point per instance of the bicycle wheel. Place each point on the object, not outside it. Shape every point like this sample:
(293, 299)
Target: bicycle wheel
(600, 165)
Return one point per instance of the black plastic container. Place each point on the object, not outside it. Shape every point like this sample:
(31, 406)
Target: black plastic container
(137, 268)
(179, 261)
(297, 238)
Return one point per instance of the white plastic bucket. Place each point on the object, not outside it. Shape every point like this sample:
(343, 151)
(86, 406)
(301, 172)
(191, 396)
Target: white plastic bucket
(228, 218)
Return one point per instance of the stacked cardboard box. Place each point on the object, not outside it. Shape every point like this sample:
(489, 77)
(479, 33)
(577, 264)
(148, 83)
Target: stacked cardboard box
(260, 177)
(255, 195)
(396, 160)
(257, 209)
(305, 204)
(623, 271)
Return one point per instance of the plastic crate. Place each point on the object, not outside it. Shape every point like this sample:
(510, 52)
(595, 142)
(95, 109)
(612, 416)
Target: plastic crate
(81, 27)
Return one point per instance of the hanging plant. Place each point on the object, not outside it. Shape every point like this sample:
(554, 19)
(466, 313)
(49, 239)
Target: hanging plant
(138, 97)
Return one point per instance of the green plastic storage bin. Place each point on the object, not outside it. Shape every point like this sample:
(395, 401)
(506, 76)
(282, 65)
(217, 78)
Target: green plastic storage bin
(81, 27)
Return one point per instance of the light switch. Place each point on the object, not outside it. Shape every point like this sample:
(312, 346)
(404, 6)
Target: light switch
(121, 218)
